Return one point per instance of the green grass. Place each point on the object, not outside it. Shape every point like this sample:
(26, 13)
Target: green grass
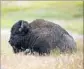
(75, 26)
(59, 10)
(71, 7)
(28, 10)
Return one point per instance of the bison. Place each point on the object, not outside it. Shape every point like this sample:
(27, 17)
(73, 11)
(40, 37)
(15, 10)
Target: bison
(40, 36)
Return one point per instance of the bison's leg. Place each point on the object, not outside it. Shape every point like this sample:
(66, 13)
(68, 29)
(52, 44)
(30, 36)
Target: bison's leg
(48, 52)
(32, 51)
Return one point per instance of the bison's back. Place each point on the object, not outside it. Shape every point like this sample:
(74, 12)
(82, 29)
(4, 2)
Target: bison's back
(41, 23)
(55, 35)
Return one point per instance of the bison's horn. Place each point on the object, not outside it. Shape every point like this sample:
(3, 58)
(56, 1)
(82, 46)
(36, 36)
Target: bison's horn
(20, 29)
(22, 24)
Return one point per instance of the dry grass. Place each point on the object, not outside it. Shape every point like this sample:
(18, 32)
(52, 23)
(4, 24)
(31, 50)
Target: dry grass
(20, 61)
(74, 61)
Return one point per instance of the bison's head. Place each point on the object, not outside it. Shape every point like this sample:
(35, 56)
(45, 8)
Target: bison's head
(18, 31)
(20, 28)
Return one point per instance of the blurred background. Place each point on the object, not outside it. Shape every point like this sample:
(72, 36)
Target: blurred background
(58, 11)
(68, 14)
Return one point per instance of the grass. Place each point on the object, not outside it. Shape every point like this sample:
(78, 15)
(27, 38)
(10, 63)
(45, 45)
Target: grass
(76, 26)
(74, 61)
(71, 7)
(11, 11)
(55, 61)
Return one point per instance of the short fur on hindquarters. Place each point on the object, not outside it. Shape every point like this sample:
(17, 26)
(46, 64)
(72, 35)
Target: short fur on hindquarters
(40, 36)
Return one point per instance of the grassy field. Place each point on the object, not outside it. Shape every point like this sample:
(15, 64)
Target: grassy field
(69, 11)
(49, 9)
(27, 10)
(76, 26)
